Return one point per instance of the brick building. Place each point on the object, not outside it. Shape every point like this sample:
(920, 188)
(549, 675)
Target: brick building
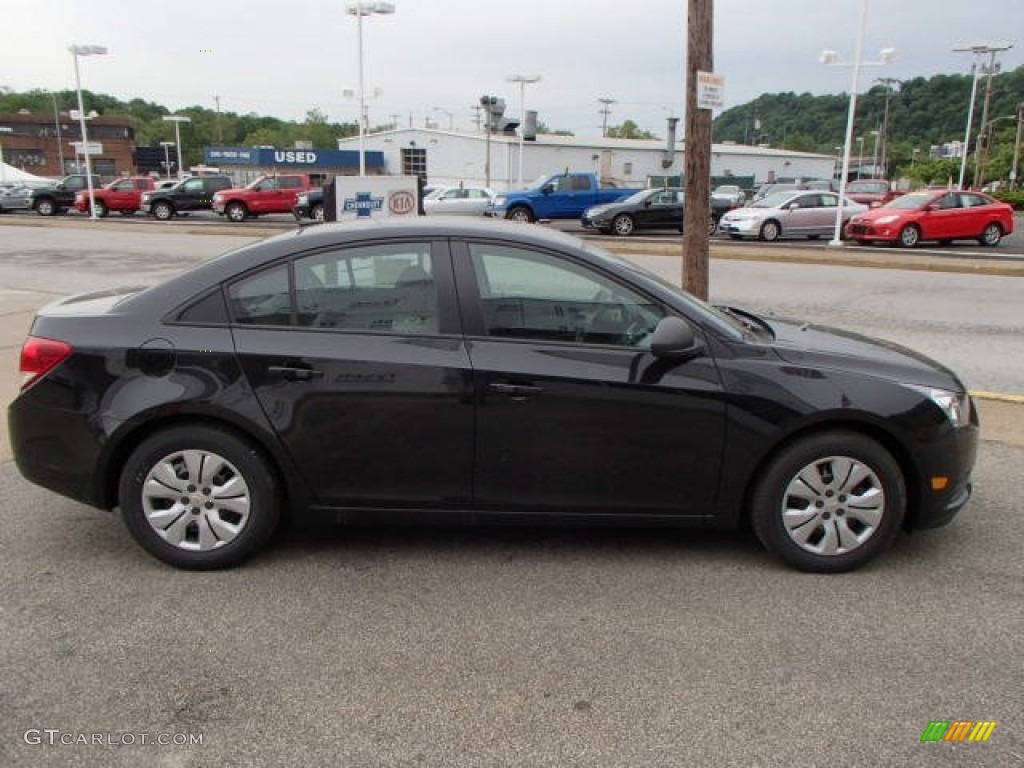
(41, 145)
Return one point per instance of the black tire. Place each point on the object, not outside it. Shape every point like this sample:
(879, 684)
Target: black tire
(193, 517)
(623, 225)
(101, 209)
(832, 517)
(163, 210)
(45, 207)
(236, 212)
(712, 226)
(991, 235)
(909, 236)
(520, 213)
(317, 214)
(770, 231)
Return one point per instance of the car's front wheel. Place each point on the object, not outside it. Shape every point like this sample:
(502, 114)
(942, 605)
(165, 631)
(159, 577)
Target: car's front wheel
(770, 231)
(46, 207)
(163, 211)
(623, 225)
(236, 212)
(101, 209)
(199, 497)
(910, 236)
(829, 502)
(521, 213)
(317, 214)
(991, 235)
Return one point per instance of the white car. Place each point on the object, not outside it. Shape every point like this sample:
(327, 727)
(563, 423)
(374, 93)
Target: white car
(458, 201)
(801, 213)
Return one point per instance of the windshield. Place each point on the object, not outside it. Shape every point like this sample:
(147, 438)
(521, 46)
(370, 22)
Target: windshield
(774, 200)
(872, 187)
(727, 190)
(538, 182)
(638, 197)
(911, 201)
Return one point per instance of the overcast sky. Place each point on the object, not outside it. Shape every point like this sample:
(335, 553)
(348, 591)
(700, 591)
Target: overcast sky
(282, 59)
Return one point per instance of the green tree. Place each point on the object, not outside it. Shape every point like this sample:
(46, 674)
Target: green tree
(629, 130)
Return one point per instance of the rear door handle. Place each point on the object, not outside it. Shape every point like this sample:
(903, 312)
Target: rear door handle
(295, 372)
(516, 391)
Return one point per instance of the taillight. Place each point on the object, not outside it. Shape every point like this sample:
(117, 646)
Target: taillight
(40, 356)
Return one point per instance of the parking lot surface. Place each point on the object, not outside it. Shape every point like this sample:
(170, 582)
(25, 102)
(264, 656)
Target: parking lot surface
(501, 647)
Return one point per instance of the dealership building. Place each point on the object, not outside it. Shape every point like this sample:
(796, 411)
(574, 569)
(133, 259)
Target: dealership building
(450, 157)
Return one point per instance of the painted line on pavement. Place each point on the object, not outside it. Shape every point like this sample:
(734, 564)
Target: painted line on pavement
(1001, 397)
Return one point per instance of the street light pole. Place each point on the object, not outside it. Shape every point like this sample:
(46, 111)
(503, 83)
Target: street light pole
(360, 9)
(167, 157)
(522, 80)
(178, 120)
(831, 58)
(76, 51)
(979, 49)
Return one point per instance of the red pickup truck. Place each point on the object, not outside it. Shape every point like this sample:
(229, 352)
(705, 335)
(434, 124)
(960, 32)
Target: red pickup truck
(268, 194)
(123, 195)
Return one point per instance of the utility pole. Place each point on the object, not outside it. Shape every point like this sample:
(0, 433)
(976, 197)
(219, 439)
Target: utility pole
(1015, 168)
(981, 155)
(476, 117)
(888, 82)
(604, 112)
(697, 147)
(980, 49)
(220, 136)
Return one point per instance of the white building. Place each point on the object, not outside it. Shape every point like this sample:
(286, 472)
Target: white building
(449, 157)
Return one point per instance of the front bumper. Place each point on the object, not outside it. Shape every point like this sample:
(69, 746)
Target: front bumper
(739, 228)
(870, 232)
(945, 482)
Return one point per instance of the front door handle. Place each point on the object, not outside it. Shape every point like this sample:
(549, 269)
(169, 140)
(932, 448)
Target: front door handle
(516, 391)
(295, 372)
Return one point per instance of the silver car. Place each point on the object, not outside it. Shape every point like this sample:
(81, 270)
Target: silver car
(798, 213)
(458, 201)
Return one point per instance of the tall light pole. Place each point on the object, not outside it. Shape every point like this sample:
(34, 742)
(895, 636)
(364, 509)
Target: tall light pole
(831, 58)
(360, 9)
(3, 167)
(979, 50)
(178, 120)
(522, 80)
(167, 158)
(76, 51)
(605, 110)
(874, 155)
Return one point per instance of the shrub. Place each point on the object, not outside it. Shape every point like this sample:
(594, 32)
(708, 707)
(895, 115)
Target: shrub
(1014, 198)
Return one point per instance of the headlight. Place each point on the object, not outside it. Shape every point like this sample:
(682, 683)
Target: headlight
(956, 405)
(887, 219)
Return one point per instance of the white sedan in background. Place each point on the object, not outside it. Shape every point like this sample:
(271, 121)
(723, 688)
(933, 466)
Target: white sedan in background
(458, 201)
(801, 213)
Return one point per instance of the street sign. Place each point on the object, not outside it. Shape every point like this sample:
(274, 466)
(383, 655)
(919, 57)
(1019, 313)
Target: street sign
(710, 90)
(92, 148)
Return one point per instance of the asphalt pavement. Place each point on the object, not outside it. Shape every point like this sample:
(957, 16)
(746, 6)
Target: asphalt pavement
(505, 647)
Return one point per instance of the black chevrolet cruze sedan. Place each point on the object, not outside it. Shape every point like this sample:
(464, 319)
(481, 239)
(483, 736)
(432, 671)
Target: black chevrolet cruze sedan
(458, 370)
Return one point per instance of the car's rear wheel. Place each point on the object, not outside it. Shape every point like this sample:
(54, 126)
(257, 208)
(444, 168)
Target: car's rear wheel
(236, 212)
(829, 502)
(317, 214)
(910, 236)
(770, 231)
(520, 213)
(712, 226)
(163, 211)
(199, 497)
(991, 235)
(623, 225)
(45, 207)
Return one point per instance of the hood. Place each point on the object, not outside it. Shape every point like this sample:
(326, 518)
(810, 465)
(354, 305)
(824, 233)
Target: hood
(874, 214)
(821, 346)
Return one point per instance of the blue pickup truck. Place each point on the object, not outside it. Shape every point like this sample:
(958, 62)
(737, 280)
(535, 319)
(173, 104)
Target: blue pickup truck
(560, 196)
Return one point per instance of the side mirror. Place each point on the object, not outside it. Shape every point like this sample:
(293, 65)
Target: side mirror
(673, 337)
(647, 203)
(792, 206)
(548, 188)
(61, 185)
(931, 207)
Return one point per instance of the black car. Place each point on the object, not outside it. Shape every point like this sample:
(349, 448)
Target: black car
(192, 194)
(442, 369)
(309, 205)
(58, 197)
(658, 208)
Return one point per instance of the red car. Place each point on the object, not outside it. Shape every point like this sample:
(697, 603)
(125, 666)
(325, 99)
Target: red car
(943, 215)
(871, 192)
(123, 195)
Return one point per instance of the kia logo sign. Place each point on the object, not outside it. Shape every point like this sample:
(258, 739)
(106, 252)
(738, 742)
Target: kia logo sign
(402, 202)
